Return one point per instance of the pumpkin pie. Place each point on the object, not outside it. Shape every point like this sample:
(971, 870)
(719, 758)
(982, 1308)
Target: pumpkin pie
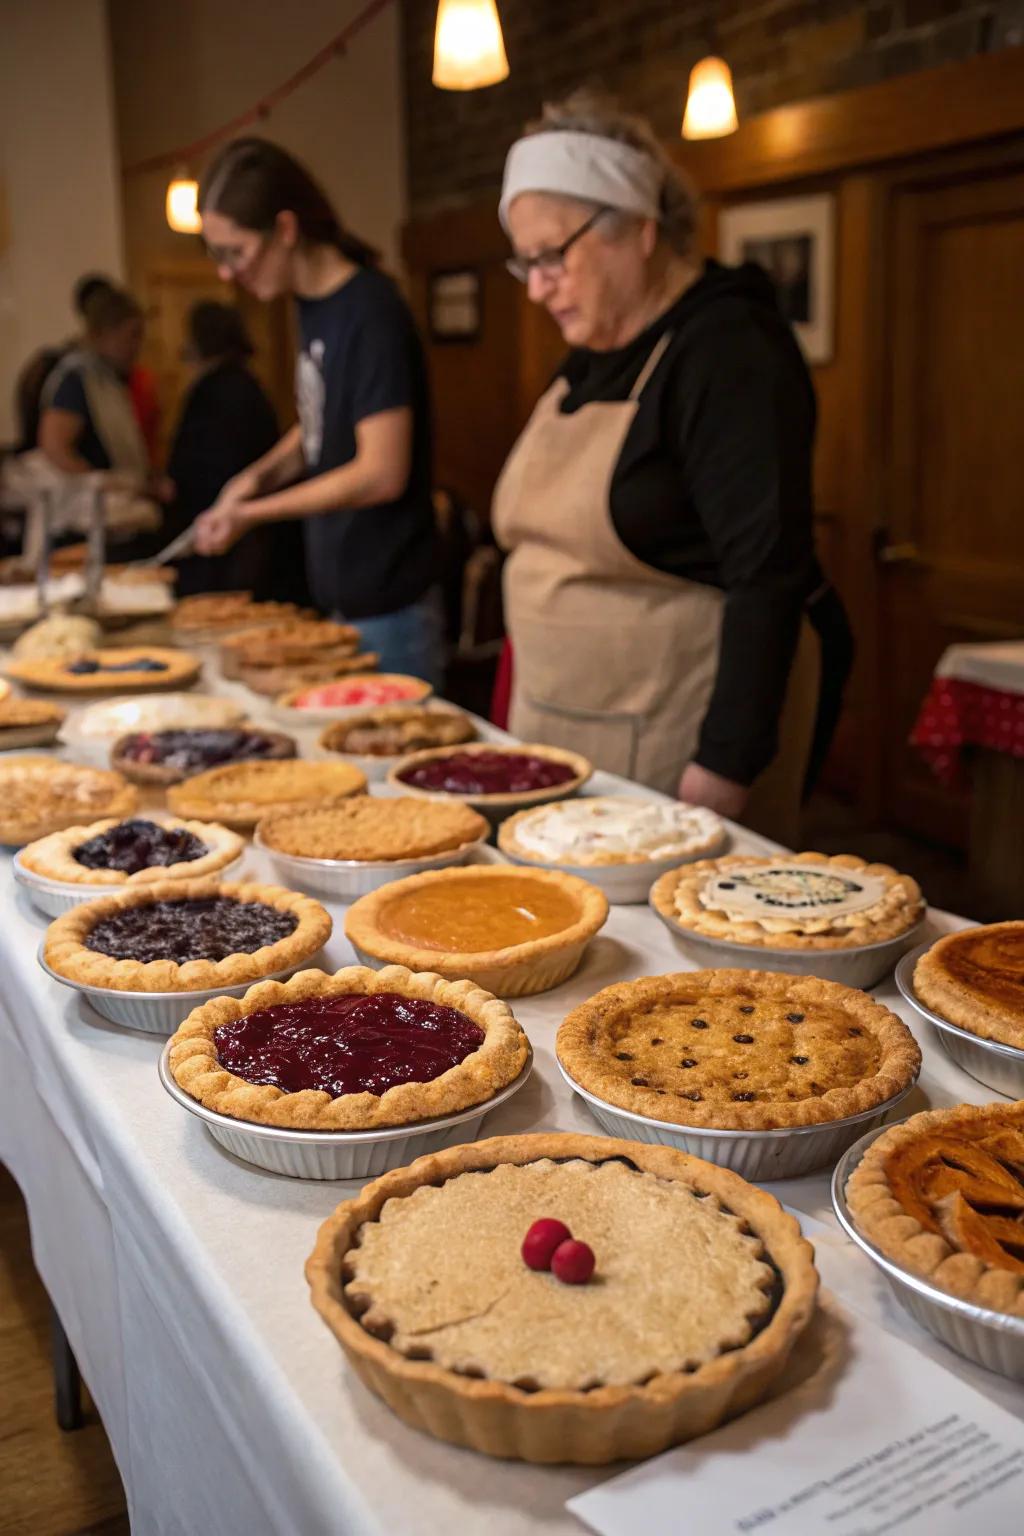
(242, 793)
(602, 830)
(185, 936)
(942, 1195)
(132, 852)
(363, 829)
(738, 1050)
(700, 1286)
(975, 979)
(795, 901)
(492, 776)
(359, 1050)
(168, 756)
(110, 669)
(394, 731)
(41, 794)
(28, 722)
(512, 931)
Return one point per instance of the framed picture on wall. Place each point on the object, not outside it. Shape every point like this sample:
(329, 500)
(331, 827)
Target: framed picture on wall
(453, 305)
(793, 239)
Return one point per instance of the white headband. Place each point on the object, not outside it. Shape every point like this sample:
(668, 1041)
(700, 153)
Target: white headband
(585, 165)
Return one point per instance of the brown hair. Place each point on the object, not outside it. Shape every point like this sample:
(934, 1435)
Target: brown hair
(107, 308)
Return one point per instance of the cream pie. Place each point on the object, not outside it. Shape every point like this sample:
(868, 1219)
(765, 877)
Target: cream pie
(611, 829)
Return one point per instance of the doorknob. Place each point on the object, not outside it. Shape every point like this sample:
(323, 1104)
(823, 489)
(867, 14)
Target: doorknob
(901, 553)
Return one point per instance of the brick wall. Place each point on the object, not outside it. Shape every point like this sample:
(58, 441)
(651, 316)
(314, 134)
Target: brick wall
(779, 50)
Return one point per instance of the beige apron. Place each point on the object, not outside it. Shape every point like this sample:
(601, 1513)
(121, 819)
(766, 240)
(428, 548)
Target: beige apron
(611, 657)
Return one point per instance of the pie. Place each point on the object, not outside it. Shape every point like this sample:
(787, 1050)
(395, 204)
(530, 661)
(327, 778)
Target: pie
(392, 731)
(374, 831)
(975, 979)
(738, 1050)
(167, 757)
(291, 641)
(795, 901)
(358, 692)
(215, 614)
(487, 774)
(354, 1051)
(702, 1286)
(113, 668)
(185, 936)
(134, 852)
(59, 635)
(242, 793)
(40, 794)
(272, 679)
(28, 722)
(942, 1194)
(513, 932)
(611, 829)
(110, 718)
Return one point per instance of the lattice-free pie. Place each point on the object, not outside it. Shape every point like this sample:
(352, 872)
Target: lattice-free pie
(795, 901)
(294, 640)
(354, 1051)
(975, 979)
(134, 852)
(487, 774)
(701, 1287)
(738, 1050)
(112, 668)
(28, 722)
(396, 731)
(370, 830)
(360, 691)
(215, 614)
(273, 678)
(41, 794)
(242, 793)
(167, 757)
(611, 829)
(942, 1194)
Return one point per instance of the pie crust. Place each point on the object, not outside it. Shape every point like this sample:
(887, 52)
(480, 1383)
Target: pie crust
(461, 895)
(28, 722)
(975, 979)
(293, 640)
(39, 795)
(418, 691)
(242, 793)
(478, 1077)
(65, 949)
(682, 896)
(576, 832)
(53, 857)
(942, 1195)
(582, 771)
(399, 729)
(738, 1050)
(373, 1254)
(324, 667)
(372, 831)
(51, 673)
(282, 748)
(216, 614)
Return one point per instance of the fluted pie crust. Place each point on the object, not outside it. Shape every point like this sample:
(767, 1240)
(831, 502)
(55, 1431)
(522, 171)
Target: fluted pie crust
(274, 678)
(975, 979)
(161, 772)
(39, 795)
(581, 767)
(478, 1077)
(729, 1367)
(53, 857)
(51, 673)
(242, 793)
(66, 951)
(738, 1050)
(399, 726)
(942, 1195)
(290, 641)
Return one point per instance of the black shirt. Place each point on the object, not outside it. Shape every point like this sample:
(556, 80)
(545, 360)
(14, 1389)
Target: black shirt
(70, 395)
(360, 356)
(714, 484)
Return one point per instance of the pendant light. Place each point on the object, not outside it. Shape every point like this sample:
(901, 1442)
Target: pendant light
(469, 51)
(183, 204)
(710, 104)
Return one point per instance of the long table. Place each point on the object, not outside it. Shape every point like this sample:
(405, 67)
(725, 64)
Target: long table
(177, 1270)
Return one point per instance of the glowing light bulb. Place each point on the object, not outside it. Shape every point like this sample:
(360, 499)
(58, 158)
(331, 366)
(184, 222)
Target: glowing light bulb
(710, 105)
(183, 204)
(469, 51)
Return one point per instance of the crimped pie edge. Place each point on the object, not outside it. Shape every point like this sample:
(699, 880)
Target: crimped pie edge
(581, 766)
(161, 773)
(508, 842)
(51, 857)
(474, 826)
(960, 1004)
(190, 798)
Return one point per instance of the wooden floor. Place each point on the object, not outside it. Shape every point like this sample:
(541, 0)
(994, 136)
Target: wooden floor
(51, 1483)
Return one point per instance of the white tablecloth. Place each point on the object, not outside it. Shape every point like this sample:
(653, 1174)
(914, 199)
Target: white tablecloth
(994, 664)
(178, 1273)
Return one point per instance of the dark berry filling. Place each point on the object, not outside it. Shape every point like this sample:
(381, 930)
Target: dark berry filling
(200, 929)
(135, 845)
(191, 751)
(488, 773)
(85, 666)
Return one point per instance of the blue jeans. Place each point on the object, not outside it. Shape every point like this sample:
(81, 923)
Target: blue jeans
(410, 640)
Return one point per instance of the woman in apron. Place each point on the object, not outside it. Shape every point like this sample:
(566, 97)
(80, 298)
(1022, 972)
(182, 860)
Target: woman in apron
(662, 593)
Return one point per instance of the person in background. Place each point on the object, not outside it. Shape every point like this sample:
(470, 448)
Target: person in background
(356, 468)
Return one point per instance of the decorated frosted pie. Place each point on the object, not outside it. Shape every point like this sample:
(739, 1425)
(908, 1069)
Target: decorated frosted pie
(113, 668)
(975, 979)
(700, 1286)
(394, 732)
(185, 936)
(355, 1051)
(134, 852)
(365, 829)
(167, 757)
(41, 794)
(942, 1194)
(795, 901)
(242, 793)
(491, 776)
(738, 1050)
(611, 829)
(513, 932)
(28, 723)
(360, 691)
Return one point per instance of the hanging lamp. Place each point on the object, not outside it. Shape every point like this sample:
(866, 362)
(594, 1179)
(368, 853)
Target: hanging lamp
(710, 104)
(183, 204)
(469, 50)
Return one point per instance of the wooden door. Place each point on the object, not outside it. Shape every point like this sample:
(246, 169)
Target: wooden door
(951, 550)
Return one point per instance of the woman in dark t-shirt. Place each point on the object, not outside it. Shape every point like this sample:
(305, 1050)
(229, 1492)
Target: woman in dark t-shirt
(356, 466)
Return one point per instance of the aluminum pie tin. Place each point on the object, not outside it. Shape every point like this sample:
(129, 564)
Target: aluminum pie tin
(859, 966)
(159, 1013)
(990, 1062)
(992, 1339)
(784, 1153)
(623, 884)
(345, 879)
(55, 897)
(337, 1154)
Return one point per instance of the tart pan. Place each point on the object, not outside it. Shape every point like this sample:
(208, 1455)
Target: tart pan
(990, 1062)
(345, 879)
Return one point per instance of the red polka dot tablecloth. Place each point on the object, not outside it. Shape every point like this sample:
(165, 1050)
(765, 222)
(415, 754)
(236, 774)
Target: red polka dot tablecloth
(964, 709)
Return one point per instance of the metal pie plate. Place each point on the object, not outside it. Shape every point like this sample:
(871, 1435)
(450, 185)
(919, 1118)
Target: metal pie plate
(991, 1339)
(785, 1152)
(345, 879)
(55, 897)
(990, 1062)
(626, 883)
(338, 1154)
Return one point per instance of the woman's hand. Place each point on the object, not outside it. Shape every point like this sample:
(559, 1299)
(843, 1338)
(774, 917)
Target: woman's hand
(699, 786)
(217, 529)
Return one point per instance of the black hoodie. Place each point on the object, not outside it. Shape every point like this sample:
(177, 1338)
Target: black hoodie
(714, 484)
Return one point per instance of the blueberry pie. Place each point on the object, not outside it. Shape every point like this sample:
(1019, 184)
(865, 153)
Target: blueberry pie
(167, 757)
(113, 669)
(133, 852)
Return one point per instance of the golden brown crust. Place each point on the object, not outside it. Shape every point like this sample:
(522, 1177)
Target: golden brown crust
(699, 831)
(66, 951)
(395, 730)
(938, 1194)
(51, 673)
(582, 770)
(240, 794)
(53, 858)
(551, 1425)
(138, 772)
(738, 1050)
(290, 641)
(28, 722)
(482, 1074)
(677, 897)
(39, 795)
(325, 667)
(372, 831)
(975, 979)
(217, 614)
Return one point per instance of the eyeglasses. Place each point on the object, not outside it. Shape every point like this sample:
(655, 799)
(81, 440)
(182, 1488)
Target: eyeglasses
(233, 256)
(551, 261)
